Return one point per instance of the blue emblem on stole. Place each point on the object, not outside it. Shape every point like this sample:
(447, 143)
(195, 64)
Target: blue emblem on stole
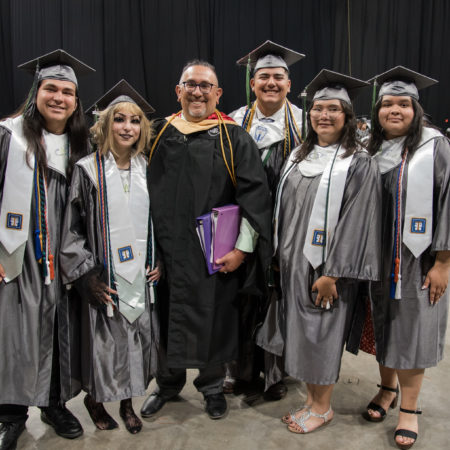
(418, 225)
(260, 133)
(318, 238)
(14, 221)
(125, 253)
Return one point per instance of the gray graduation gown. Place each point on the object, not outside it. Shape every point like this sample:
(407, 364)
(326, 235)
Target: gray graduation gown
(311, 339)
(118, 358)
(29, 309)
(410, 333)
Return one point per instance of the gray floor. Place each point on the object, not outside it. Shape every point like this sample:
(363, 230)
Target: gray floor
(253, 423)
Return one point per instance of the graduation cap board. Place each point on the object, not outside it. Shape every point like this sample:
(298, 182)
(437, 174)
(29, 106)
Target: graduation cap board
(329, 85)
(401, 81)
(270, 54)
(58, 65)
(121, 92)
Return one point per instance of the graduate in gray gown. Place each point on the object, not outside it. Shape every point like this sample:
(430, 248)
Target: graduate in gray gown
(39, 357)
(326, 238)
(108, 253)
(410, 303)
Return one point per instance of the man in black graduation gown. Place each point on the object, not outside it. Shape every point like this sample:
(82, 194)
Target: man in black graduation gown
(200, 160)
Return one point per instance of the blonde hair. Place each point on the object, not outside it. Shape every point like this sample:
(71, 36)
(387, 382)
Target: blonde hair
(101, 131)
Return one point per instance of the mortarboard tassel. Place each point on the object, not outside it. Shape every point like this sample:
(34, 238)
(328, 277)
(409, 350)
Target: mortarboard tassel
(374, 98)
(247, 82)
(303, 96)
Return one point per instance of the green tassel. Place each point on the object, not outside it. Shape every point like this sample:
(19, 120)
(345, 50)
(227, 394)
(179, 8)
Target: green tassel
(303, 96)
(374, 98)
(247, 82)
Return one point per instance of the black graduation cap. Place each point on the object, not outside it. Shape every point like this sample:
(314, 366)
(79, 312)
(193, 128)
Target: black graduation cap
(402, 81)
(121, 92)
(271, 54)
(329, 85)
(58, 65)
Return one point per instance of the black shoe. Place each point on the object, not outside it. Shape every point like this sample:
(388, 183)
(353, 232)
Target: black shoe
(277, 391)
(216, 405)
(152, 405)
(9, 433)
(62, 420)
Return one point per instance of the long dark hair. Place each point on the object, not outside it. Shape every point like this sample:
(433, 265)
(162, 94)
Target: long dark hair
(413, 134)
(76, 128)
(348, 138)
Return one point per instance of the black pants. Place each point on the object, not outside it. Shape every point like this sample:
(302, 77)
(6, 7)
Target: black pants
(19, 413)
(171, 381)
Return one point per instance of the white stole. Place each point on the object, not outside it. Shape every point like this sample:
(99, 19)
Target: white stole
(17, 192)
(331, 185)
(128, 229)
(418, 219)
(318, 162)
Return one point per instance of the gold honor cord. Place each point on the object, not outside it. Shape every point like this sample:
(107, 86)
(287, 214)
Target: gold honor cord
(231, 172)
(287, 137)
(294, 121)
(250, 119)
(221, 122)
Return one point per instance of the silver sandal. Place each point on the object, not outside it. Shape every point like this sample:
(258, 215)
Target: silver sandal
(288, 418)
(301, 421)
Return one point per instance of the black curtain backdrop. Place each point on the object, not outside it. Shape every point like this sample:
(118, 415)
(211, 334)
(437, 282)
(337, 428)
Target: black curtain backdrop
(147, 42)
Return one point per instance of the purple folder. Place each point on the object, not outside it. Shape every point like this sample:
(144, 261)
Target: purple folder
(204, 232)
(218, 232)
(225, 230)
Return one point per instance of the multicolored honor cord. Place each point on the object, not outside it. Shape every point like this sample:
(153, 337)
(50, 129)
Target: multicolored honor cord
(395, 274)
(104, 221)
(42, 247)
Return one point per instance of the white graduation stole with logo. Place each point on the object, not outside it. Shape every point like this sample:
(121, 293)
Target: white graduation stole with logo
(16, 201)
(418, 220)
(128, 229)
(265, 131)
(320, 234)
(418, 224)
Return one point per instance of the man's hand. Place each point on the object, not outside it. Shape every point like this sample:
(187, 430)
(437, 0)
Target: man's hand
(2, 273)
(437, 277)
(326, 291)
(231, 261)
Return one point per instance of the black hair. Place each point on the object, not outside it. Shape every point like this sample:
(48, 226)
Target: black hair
(199, 62)
(76, 128)
(413, 134)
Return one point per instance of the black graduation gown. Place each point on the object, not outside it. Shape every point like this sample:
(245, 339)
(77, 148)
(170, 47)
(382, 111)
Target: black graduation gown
(187, 178)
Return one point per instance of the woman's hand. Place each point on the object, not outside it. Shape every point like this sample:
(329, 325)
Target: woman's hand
(2, 273)
(231, 261)
(153, 275)
(326, 291)
(437, 277)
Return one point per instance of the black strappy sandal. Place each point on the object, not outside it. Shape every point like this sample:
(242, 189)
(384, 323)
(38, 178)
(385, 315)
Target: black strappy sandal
(406, 433)
(380, 409)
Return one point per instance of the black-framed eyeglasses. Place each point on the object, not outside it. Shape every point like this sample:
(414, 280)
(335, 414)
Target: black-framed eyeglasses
(191, 86)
